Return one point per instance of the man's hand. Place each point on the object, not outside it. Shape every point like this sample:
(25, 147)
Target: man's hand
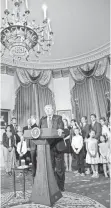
(28, 149)
(60, 131)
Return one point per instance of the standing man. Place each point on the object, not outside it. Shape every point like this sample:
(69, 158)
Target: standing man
(96, 126)
(13, 126)
(57, 157)
(85, 130)
(85, 127)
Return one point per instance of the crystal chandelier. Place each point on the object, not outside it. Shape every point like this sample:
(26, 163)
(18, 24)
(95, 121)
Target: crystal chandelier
(20, 36)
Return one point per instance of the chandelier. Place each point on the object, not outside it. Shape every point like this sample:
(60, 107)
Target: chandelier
(20, 36)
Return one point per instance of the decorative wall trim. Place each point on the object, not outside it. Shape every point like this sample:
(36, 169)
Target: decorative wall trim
(60, 64)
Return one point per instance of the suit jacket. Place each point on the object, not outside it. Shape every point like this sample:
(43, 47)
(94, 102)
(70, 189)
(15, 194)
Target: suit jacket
(85, 131)
(57, 123)
(30, 143)
(14, 131)
(5, 141)
(17, 139)
(25, 128)
(98, 130)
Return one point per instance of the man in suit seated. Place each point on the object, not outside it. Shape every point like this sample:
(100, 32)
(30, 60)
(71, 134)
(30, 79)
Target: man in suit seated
(30, 144)
(55, 122)
(14, 130)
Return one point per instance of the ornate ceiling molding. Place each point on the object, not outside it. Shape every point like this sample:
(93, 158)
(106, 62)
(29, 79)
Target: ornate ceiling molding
(60, 64)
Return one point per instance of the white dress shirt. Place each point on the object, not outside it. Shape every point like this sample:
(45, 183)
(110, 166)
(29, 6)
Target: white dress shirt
(22, 150)
(77, 142)
(49, 121)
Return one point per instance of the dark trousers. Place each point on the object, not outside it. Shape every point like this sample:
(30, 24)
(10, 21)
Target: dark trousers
(16, 154)
(25, 158)
(58, 167)
(85, 152)
(33, 159)
(80, 161)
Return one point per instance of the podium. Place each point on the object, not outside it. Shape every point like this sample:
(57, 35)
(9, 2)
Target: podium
(45, 190)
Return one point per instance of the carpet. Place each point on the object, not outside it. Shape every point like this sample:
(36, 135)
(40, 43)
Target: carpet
(87, 189)
(69, 200)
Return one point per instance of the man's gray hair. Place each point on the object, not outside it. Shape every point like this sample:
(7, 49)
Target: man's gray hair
(49, 105)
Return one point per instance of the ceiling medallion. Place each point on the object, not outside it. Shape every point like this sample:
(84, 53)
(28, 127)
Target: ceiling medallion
(20, 36)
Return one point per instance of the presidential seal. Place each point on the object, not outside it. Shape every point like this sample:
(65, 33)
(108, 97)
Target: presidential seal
(35, 132)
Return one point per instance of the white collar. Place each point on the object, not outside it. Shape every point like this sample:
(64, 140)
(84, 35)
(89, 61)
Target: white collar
(50, 117)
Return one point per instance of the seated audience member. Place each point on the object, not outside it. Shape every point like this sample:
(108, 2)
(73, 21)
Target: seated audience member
(77, 146)
(22, 150)
(14, 130)
(103, 150)
(19, 133)
(8, 150)
(92, 156)
(68, 151)
(30, 144)
(96, 126)
(85, 129)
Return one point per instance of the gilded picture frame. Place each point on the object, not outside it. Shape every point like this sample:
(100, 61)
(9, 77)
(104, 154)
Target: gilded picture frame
(65, 114)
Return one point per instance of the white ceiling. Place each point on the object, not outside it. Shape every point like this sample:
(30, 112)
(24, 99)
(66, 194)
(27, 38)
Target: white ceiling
(79, 26)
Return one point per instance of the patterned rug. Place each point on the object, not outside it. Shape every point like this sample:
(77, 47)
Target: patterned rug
(69, 200)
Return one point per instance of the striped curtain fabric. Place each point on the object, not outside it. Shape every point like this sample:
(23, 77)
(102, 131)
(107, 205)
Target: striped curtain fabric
(31, 100)
(84, 94)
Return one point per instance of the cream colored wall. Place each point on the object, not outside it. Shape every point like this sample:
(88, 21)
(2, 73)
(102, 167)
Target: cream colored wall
(7, 102)
(7, 92)
(62, 94)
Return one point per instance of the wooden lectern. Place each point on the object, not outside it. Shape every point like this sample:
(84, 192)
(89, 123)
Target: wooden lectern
(45, 190)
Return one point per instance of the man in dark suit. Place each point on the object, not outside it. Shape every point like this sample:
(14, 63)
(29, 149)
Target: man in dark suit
(30, 144)
(55, 121)
(96, 126)
(85, 129)
(13, 126)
